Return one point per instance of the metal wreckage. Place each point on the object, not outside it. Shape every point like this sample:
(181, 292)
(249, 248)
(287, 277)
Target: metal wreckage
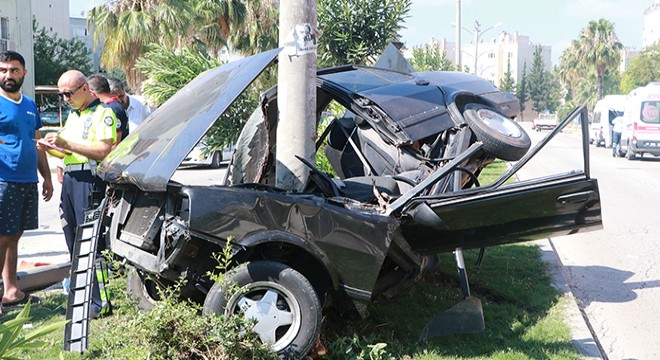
(407, 153)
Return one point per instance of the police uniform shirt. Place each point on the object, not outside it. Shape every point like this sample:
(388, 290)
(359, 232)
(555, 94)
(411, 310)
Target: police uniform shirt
(87, 127)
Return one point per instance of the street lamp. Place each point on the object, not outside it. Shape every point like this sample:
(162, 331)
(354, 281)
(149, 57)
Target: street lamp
(476, 34)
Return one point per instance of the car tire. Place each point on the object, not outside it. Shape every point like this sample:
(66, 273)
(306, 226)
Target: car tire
(271, 290)
(216, 160)
(143, 289)
(501, 136)
(630, 154)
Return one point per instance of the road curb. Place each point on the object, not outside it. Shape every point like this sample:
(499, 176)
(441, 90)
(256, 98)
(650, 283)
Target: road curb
(583, 338)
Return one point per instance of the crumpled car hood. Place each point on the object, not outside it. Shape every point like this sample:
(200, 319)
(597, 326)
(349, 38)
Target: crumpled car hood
(150, 155)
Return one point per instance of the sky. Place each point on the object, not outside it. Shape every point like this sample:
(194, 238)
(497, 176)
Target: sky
(547, 22)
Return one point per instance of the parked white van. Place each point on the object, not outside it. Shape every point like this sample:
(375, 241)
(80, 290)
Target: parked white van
(642, 122)
(600, 127)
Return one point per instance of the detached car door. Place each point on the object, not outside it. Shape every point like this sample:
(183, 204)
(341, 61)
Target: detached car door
(533, 208)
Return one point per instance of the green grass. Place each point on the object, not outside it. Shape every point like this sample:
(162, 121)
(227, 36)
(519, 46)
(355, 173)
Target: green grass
(493, 172)
(522, 311)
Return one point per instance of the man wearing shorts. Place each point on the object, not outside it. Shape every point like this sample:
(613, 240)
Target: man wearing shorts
(19, 161)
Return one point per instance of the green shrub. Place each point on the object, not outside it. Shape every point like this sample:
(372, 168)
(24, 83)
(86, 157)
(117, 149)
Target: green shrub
(12, 339)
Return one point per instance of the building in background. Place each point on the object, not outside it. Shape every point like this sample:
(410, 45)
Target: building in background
(80, 31)
(16, 34)
(494, 55)
(651, 32)
(627, 54)
(52, 15)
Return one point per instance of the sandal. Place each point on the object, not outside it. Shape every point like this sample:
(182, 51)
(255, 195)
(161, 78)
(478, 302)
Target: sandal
(26, 297)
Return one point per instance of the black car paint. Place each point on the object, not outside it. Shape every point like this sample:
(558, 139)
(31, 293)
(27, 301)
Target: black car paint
(353, 243)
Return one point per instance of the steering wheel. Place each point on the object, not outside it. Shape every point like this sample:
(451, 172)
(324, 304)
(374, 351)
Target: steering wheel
(321, 179)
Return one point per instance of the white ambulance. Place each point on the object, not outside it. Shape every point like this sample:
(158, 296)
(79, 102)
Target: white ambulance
(605, 111)
(642, 122)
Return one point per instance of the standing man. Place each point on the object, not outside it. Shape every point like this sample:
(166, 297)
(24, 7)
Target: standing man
(616, 135)
(19, 160)
(136, 110)
(87, 138)
(100, 88)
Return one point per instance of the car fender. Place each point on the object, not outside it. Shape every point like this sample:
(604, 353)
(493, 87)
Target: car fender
(274, 236)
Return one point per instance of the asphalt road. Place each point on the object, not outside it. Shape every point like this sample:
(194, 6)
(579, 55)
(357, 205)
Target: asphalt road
(613, 272)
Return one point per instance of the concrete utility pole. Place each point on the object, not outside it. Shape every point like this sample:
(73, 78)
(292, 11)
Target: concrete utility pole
(459, 65)
(296, 100)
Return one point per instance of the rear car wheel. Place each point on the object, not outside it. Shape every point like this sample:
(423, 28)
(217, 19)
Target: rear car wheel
(216, 160)
(281, 300)
(630, 154)
(143, 289)
(502, 137)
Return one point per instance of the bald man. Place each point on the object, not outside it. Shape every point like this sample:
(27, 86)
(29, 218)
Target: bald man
(85, 140)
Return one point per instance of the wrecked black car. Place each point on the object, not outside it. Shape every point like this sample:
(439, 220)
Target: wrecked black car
(407, 154)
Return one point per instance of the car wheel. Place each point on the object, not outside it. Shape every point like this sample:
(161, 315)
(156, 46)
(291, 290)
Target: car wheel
(502, 137)
(143, 289)
(281, 300)
(216, 160)
(630, 154)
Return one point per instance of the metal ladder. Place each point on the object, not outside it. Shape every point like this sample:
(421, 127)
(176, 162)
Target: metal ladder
(78, 311)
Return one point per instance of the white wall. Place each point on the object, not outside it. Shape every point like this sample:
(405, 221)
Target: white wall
(53, 15)
(19, 14)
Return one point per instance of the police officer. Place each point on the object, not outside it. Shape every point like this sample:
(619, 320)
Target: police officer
(85, 140)
(99, 86)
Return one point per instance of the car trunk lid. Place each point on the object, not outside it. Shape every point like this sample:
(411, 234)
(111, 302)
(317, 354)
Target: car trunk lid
(149, 156)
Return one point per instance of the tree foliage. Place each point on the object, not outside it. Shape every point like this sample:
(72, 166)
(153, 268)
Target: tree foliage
(521, 89)
(127, 28)
(358, 31)
(588, 66)
(53, 56)
(541, 84)
(430, 58)
(168, 71)
(600, 47)
(507, 83)
(642, 70)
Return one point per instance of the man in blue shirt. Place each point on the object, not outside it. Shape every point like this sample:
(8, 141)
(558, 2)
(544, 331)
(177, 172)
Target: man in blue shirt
(19, 161)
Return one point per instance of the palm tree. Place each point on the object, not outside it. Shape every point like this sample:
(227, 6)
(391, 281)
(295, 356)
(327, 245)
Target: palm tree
(570, 68)
(216, 20)
(127, 27)
(599, 47)
(259, 31)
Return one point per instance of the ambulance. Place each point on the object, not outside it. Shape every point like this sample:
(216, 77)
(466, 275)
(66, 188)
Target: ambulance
(605, 111)
(642, 122)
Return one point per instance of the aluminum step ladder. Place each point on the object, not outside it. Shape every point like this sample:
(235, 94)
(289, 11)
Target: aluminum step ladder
(83, 270)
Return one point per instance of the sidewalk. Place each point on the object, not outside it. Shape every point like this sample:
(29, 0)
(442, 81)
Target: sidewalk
(45, 244)
(574, 318)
